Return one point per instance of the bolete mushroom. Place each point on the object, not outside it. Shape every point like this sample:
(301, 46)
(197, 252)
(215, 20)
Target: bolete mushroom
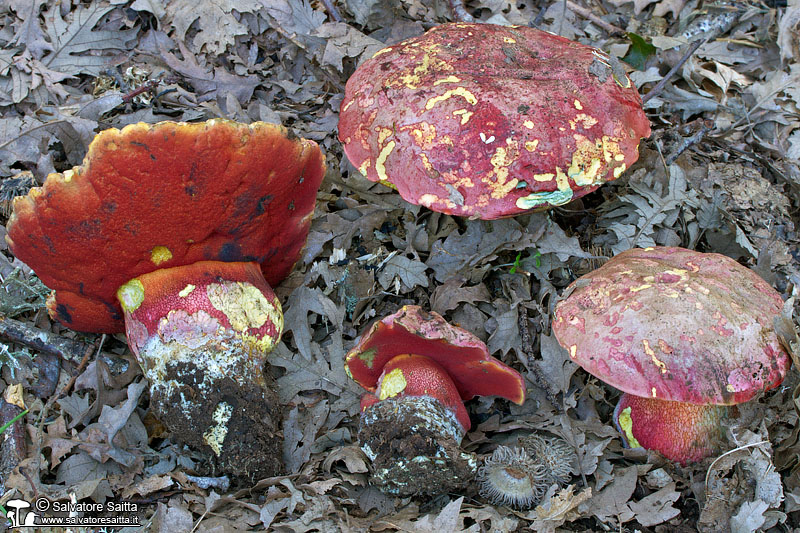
(685, 335)
(491, 121)
(419, 370)
(186, 226)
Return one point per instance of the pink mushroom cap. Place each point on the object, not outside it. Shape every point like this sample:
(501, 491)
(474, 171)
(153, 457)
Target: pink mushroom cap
(491, 121)
(675, 324)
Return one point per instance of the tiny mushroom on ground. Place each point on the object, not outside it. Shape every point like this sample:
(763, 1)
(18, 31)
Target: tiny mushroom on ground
(685, 335)
(491, 121)
(186, 226)
(419, 370)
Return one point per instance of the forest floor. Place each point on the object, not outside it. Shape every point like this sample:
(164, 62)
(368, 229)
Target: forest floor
(719, 173)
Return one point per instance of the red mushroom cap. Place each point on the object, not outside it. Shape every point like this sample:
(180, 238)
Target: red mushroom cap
(206, 299)
(164, 195)
(491, 121)
(417, 375)
(675, 324)
(412, 330)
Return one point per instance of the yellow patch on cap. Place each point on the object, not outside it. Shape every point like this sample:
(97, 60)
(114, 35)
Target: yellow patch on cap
(380, 162)
(448, 79)
(247, 309)
(464, 114)
(363, 167)
(656, 361)
(458, 91)
(186, 291)
(392, 384)
(131, 295)
(160, 254)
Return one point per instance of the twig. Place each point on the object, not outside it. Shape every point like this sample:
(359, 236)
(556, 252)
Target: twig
(587, 14)
(751, 445)
(686, 142)
(661, 84)
(460, 12)
(539, 379)
(148, 86)
(82, 366)
(332, 11)
(42, 341)
(29, 131)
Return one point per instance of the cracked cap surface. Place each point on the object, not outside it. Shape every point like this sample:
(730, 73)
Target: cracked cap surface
(491, 121)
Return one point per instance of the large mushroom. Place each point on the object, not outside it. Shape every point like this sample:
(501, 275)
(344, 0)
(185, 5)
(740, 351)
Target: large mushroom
(419, 370)
(491, 121)
(685, 335)
(186, 226)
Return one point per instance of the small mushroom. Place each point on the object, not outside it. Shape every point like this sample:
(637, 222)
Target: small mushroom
(685, 335)
(491, 121)
(186, 226)
(419, 370)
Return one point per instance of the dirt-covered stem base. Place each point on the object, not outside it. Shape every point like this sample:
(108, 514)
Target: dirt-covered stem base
(201, 334)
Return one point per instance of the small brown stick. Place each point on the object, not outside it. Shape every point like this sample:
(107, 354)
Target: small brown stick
(527, 348)
(460, 13)
(332, 11)
(661, 84)
(587, 14)
(148, 86)
(42, 341)
(690, 141)
(90, 349)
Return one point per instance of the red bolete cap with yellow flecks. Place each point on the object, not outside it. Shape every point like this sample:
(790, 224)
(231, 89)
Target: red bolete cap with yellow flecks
(491, 121)
(157, 196)
(206, 299)
(412, 330)
(675, 324)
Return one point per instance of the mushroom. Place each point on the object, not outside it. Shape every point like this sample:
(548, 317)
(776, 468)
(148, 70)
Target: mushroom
(419, 370)
(491, 121)
(186, 226)
(685, 335)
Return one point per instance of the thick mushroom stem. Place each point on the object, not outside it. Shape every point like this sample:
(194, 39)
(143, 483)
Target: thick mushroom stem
(201, 333)
(682, 432)
(412, 429)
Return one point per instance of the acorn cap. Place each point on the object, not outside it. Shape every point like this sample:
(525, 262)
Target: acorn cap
(675, 324)
(491, 121)
(164, 195)
(411, 330)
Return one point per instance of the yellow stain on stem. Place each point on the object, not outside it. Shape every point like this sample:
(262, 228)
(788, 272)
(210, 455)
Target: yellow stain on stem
(626, 425)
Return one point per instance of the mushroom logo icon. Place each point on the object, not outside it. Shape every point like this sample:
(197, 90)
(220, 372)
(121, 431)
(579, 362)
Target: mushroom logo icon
(14, 516)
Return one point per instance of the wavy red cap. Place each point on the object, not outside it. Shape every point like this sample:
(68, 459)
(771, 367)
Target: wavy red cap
(413, 330)
(675, 324)
(491, 121)
(164, 195)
